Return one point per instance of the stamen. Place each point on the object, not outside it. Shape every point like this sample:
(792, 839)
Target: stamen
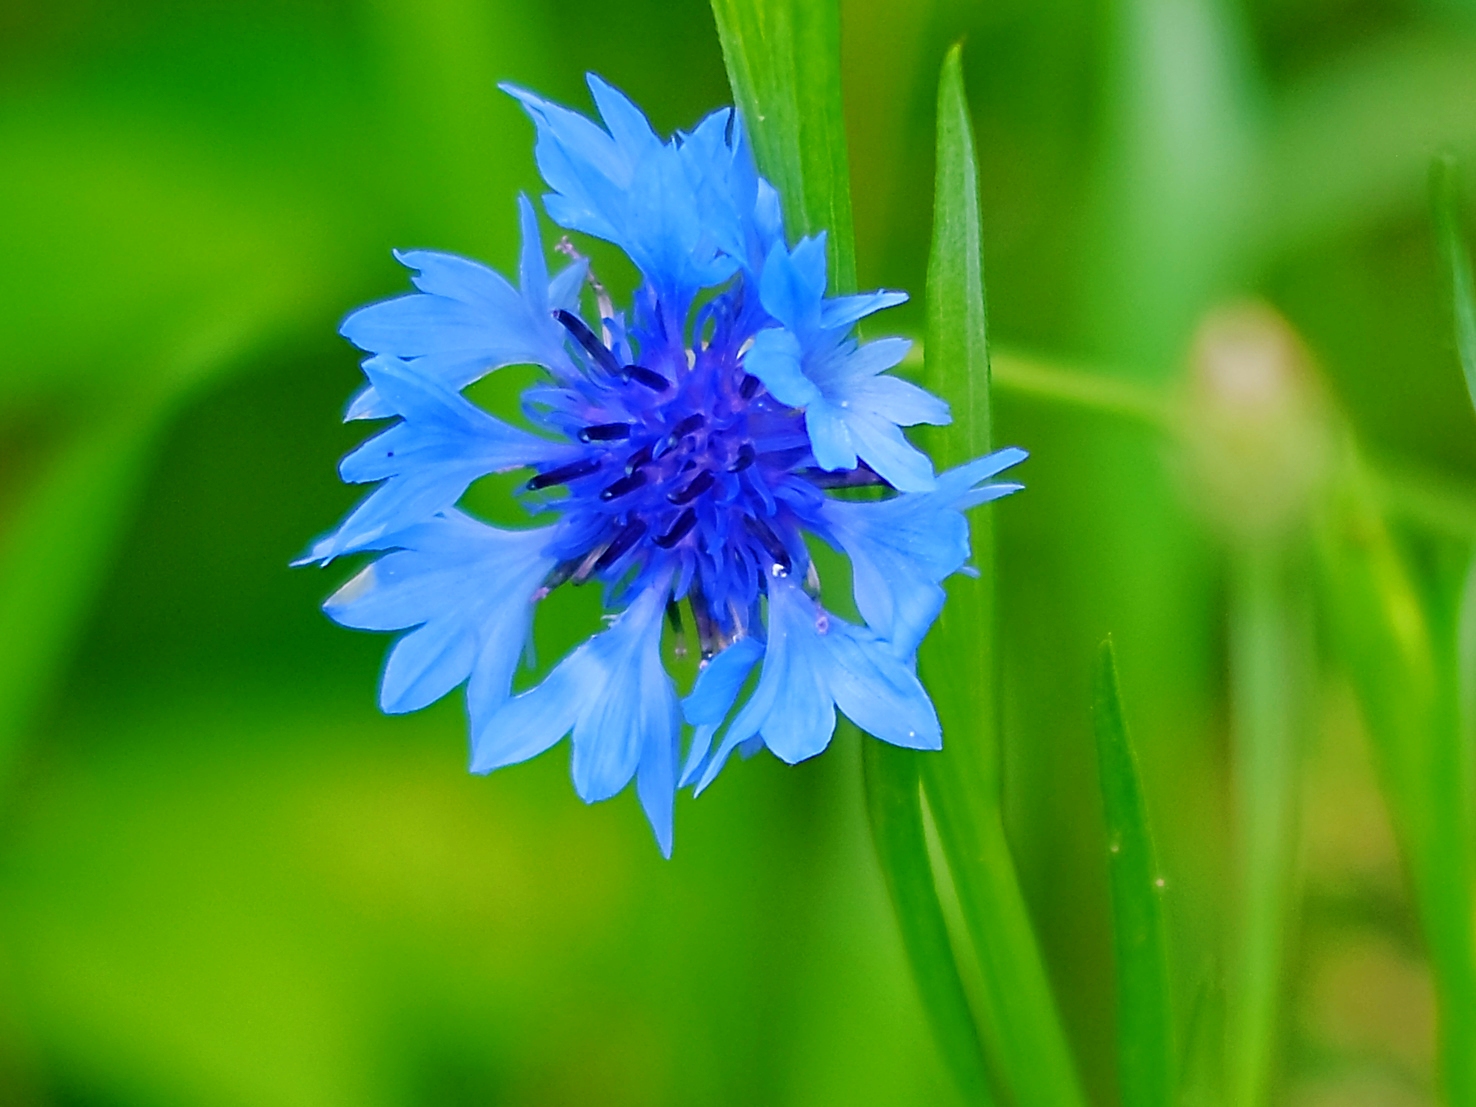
(739, 621)
(639, 458)
(685, 522)
(564, 474)
(694, 488)
(782, 562)
(586, 338)
(745, 458)
(648, 377)
(628, 483)
(587, 566)
(605, 432)
(812, 582)
(750, 386)
(688, 425)
(679, 637)
(623, 541)
(860, 477)
(556, 576)
(707, 632)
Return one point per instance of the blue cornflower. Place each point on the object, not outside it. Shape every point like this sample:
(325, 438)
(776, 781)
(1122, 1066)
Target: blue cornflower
(682, 450)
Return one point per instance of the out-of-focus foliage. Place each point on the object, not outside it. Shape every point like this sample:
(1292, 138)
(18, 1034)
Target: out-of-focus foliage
(225, 879)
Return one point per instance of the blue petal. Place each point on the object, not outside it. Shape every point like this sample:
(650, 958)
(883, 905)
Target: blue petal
(656, 786)
(903, 548)
(717, 687)
(902, 402)
(629, 188)
(851, 412)
(532, 267)
(840, 369)
(625, 122)
(563, 290)
(727, 185)
(830, 438)
(615, 696)
(775, 359)
(455, 370)
(467, 320)
(841, 312)
(879, 692)
(427, 461)
(417, 324)
(793, 284)
(813, 663)
(466, 588)
(881, 444)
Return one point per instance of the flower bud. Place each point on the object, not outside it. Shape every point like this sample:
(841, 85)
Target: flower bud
(1257, 437)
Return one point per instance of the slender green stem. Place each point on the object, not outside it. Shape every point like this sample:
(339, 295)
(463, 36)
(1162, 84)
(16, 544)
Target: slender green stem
(1040, 379)
(1436, 502)
(1268, 677)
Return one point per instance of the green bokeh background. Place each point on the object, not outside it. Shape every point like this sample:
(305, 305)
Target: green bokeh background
(226, 879)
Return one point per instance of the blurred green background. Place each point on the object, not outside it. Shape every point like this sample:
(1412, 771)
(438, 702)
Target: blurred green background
(226, 879)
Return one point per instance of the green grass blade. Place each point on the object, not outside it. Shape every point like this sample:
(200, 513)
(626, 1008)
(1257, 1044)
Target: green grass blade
(894, 802)
(783, 61)
(1446, 193)
(1411, 706)
(1022, 1030)
(958, 658)
(1465, 668)
(1144, 1010)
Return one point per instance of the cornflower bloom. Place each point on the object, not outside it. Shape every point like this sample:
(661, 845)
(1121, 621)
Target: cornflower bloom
(682, 452)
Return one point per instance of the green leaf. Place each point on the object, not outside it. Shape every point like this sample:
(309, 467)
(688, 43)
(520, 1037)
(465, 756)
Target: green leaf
(783, 60)
(894, 802)
(958, 656)
(1407, 686)
(1023, 1033)
(1446, 192)
(1144, 1011)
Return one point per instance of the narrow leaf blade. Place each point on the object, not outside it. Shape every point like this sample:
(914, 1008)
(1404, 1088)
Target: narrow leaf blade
(894, 802)
(1144, 1014)
(1023, 1035)
(1445, 189)
(1411, 707)
(783, 61)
